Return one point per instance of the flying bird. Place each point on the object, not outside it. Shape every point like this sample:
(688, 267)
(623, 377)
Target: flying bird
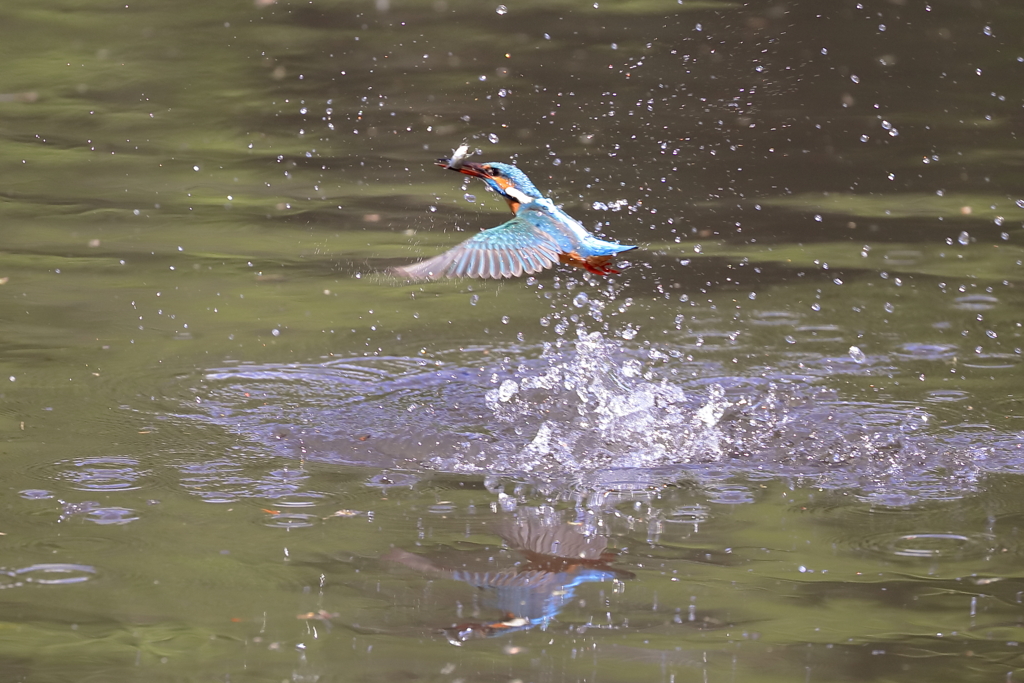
(539, 236)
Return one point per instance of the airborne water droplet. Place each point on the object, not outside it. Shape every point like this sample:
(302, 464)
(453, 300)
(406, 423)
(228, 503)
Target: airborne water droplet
(857, 355)
(507, 390)
(492, 138)
(473, 299)
(502, 9)
(964, 238)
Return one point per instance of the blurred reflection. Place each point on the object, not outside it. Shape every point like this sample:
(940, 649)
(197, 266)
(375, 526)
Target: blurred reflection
(557, 557)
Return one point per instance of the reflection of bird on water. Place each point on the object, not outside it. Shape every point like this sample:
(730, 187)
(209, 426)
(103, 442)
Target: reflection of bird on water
(558, 557)
(539, 236)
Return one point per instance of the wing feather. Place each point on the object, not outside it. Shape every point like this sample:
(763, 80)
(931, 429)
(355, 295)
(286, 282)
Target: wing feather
(468, 263)
(510, 249)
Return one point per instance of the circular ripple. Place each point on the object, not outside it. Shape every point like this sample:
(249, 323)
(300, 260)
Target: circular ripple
(112, 516)
(930, 546)
(98, 473)
(51, 574)
(35, 494)
(946, 396)
(930, 352)
(991, 361)
(290, 520)
(975, 302)
(299, 500)
(730, 494)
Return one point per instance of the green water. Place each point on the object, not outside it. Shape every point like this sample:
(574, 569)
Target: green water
(793, 423)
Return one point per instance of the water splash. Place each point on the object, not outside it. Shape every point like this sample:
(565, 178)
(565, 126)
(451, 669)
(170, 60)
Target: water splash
(591, 409)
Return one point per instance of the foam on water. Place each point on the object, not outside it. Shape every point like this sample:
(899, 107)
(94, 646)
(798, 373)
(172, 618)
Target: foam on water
(592, 410)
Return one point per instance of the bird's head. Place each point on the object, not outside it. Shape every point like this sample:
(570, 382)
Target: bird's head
(505, 179)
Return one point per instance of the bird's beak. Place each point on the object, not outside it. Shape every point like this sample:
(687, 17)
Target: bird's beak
(467, 167)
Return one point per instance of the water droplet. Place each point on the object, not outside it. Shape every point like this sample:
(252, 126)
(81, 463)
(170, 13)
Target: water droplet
(632, 368)
(501, 9)
(581, 300)
(864, 138)
(504, 320)
(507, 390)
(789, 339)
(857, 355)
(628, 333)
(889, 308)
(492, 138)
(964, 238)
(855, 78)
(469, 197)
(1020, 203)
(473, 299)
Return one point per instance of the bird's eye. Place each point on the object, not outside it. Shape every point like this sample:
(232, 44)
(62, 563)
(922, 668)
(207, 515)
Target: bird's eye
(494, 172)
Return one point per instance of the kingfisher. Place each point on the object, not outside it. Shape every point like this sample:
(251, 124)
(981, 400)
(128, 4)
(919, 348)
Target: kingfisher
(557, 557)
(539, 235)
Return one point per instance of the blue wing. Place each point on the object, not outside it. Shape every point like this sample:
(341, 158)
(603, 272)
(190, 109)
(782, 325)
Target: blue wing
(508, 250)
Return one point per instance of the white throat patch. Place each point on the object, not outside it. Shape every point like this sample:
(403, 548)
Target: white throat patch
(517, 195)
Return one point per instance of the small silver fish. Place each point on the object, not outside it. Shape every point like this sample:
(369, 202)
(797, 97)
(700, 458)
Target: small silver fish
(459, 156)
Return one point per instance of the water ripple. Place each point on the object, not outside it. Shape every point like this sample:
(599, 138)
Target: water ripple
(98, 473)
(929, 545)
(49, 574)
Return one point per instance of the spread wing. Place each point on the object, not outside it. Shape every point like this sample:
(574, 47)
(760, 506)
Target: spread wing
(508, 250)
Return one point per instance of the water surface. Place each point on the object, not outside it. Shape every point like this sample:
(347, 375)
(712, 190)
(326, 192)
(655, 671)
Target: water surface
(784, 444)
